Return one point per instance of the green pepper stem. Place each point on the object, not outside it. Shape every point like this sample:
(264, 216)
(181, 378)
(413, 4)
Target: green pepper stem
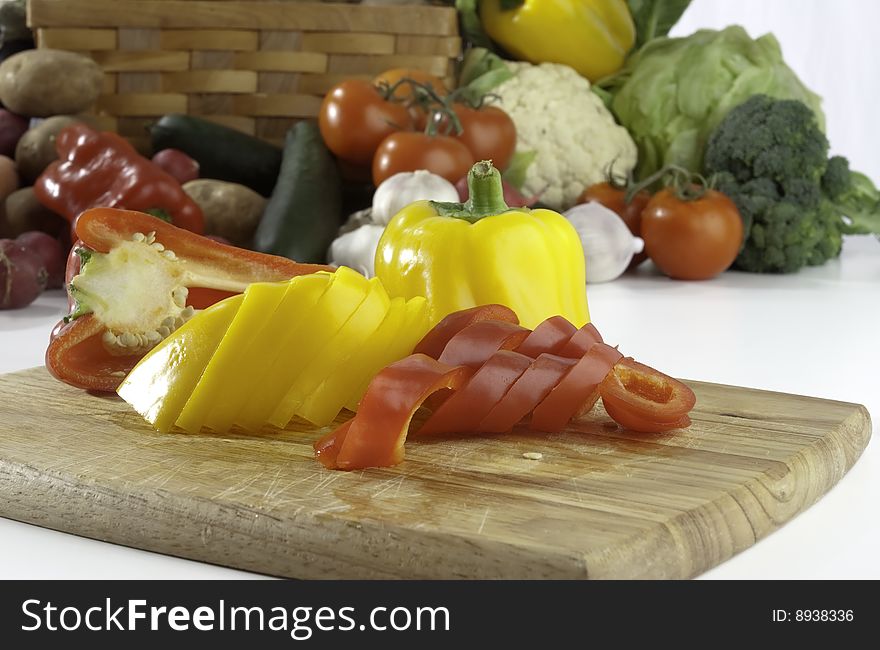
(485, 190)
(486, 196)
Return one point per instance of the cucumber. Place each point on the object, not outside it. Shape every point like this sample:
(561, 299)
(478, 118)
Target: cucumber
(222, 153)
(305, 211)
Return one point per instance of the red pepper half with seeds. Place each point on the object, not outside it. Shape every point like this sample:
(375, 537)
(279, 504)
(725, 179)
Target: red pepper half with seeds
(101, 169)
(132, 279)
(478, 371)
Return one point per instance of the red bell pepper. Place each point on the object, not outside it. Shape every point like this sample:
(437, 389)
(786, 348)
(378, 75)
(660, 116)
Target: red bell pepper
(643, 399)
(375, 437)
(101, 169)
(491, 385)
(466, 408)
(549, 337)
(436, 340)
(546, 371)
(577, 391)
(132, 279)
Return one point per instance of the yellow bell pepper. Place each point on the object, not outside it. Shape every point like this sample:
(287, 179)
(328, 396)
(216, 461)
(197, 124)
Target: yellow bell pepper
(460, 255)
(307, 347)
(215, 390)
(591, 36)
(395, 342)
(161, 383)
(334, 349)
(295, 317)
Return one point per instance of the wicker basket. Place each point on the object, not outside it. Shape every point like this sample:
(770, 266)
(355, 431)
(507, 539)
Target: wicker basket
(257, 66)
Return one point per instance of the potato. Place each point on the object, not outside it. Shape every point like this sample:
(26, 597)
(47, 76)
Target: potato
(231, 210)
(39, 83)
(8, 177)
(23, 213)
(12, 127)
(36, 148)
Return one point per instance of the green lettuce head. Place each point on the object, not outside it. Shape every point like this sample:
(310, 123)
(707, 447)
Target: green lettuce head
(674, 91)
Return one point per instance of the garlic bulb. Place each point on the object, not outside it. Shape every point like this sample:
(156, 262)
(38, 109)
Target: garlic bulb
(608, 244)
(398, 191)
(357, 249)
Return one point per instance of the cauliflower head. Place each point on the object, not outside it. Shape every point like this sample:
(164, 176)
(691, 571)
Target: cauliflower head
(573, 135)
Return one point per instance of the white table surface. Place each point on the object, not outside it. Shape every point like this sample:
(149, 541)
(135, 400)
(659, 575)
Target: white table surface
(813, 333)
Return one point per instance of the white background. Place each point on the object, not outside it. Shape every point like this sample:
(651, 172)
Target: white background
(812, 333)
(833, 47)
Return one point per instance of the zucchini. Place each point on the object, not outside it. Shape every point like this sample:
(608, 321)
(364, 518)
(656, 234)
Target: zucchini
(223, 153)
(305, 211)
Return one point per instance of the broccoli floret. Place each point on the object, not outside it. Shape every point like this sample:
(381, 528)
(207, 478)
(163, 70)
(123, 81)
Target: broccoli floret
(853, 195)
(836, 179)
(771, 158)
(769, 138)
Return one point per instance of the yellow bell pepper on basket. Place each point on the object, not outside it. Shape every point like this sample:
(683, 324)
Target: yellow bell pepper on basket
(460, 255)
(591, 36)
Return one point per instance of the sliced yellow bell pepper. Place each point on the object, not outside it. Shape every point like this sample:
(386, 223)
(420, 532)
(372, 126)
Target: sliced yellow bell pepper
(334, 353)
(293, 316)
(214, 396)
(405, 324)
(159, 386)
(412, 328)
(461, 255)
(306, 347)
(591, 36)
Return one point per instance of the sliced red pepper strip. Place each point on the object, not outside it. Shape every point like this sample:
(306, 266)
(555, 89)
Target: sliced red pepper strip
(473, 345)
(633, 422)
(76, 354)
(549, 337)
(327, 448)
(234, 268)
(435, 341)
(465, 408)
(581, 342)
(529, 390)
(375, 437)
(577, 392)
(645, 393)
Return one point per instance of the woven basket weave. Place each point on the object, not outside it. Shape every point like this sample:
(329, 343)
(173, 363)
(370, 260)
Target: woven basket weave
(257, 66)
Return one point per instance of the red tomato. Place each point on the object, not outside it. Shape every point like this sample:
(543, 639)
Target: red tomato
(404, 90)
(488, 132)
(407, 151)
(692, 240)
(354, 119)
(614, 198)
(408, 94)
(178, 164)
(644, 399)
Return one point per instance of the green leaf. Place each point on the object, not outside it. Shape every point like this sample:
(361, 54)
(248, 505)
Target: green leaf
(471, 26)
(602, 94)
(483, 69)
(515, 174)
(160, 213)
(655, 18)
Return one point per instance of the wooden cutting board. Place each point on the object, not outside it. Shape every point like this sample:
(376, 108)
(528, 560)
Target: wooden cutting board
(602, 502)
